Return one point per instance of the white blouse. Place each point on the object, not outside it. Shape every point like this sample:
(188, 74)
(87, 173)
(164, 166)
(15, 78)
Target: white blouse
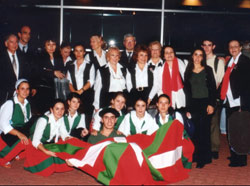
(57, 129)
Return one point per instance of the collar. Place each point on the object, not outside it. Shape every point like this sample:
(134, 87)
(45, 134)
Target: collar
(10, 54)
(16, 101)
(74, 116)
(234, 61)
(21, 45)
(150, 62)
(144, 68)
(95, 54)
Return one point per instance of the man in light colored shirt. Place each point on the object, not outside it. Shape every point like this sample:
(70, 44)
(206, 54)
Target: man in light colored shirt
(218, 67)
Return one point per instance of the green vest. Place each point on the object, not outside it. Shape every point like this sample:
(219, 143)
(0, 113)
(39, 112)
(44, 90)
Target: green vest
(46, 132)
(132, 127)
(18, 119)
(75, 123)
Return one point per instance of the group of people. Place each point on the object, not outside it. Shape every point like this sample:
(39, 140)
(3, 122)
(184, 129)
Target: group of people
(100, 88)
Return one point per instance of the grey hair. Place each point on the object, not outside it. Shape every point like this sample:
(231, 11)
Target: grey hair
(129, 35)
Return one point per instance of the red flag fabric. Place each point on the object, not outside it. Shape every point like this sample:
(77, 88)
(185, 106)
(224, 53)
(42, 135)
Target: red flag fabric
(225, 82)
(161, 158)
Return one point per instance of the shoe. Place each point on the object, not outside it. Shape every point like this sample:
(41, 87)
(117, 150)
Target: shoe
(215, 155)
(17, 158)
(200, 165)
(7, 165)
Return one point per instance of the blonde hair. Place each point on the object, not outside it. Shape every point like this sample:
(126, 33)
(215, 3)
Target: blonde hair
(155, 43)
(110, 49)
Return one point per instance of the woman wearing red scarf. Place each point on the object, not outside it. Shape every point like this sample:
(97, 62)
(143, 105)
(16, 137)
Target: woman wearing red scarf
(200, 89)
(168, 79)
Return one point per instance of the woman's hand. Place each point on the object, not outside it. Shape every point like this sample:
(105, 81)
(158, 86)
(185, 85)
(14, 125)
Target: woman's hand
(210, 109)
(23, 138)
(84, 132)
(188, 114)
(59, 74)
(50, 153)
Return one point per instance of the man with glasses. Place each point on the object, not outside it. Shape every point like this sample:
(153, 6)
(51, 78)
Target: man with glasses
(218, 67)
(235, 91)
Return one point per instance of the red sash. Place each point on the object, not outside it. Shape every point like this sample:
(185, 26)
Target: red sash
(225, 82)
(173, 83)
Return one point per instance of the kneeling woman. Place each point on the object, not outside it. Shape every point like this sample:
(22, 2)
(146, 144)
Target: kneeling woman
(49, 129)
(75, 122)
(117, 103)
(14, 126)
(165, 111)
(138, 121)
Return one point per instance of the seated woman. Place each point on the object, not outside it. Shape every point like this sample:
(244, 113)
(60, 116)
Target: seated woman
(109, 117)
(14, 126)
(48, 129)
(165, 111)
(117, 103)
(75, 122)
(138, 121)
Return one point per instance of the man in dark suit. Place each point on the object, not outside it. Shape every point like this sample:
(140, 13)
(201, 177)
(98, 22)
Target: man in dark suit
(235, 91)
(13, 66)
(129, 42)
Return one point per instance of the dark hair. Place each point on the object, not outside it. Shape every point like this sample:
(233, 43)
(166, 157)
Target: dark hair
(50, 40)
(138, 49)
(141, 99)
(240, 43)
(208, 39)
(55, 101)
(73, 95)
(116, 94)
(167, 46)
(79, 44)
(65, 44)
(190, 66)
(170, 109)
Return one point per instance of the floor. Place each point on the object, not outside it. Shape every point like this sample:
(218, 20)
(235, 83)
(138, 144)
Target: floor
(216, 173)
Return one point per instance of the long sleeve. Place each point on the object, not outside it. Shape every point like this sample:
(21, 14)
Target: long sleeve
(125, 125)
(40, 126)
(128, 81)
(97, 121)
(82, 122)
(92, 75)
(5, 116)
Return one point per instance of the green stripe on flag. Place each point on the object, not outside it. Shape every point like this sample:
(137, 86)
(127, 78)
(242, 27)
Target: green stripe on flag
(111, 157)
(44, 164)
(7, 149)
(185, 162)
(160, 135)
(155, 173)
(68, 148)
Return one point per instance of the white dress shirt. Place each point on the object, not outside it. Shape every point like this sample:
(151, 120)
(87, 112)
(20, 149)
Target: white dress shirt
(57, 129)
(20, 45)
(160, 62)
(178, 98)
(79, 73)
(150, 126)
(177, 116)
(232, 102)
(117, 83)
(71, 120)
(141, 76)
(6, 112)
(101, 60)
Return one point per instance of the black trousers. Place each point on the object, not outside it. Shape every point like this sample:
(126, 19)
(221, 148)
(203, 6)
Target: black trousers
(235, 158)
(201, 137)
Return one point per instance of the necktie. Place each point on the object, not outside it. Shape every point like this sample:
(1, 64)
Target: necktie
(225, 82)
(129, 56)
(24, 49)
(14, 65)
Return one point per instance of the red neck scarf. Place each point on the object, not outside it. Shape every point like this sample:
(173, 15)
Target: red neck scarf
(225, 82)
(173, 83)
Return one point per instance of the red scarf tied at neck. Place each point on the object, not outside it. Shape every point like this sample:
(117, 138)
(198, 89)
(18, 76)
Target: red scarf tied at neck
(173, 83)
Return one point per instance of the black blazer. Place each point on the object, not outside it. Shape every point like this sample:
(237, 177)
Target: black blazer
(211, 85)
(125, 62)
(7, 75)
(240, 81)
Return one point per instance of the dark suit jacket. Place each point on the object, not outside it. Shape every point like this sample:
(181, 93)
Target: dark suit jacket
(125, 62)
(240, 81)
(8, 77)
